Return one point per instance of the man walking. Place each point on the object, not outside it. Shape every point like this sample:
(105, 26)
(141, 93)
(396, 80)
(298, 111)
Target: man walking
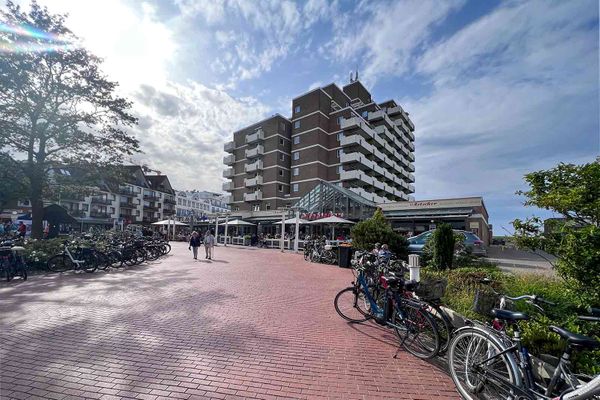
(209, 242)
(195, 243)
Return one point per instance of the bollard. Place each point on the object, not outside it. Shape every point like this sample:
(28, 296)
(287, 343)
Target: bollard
(414, 267)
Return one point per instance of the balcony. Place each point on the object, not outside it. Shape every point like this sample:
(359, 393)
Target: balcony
(255, 196)
(411, 167)
(359, 176)
(251, 182)
(228, 173)
(227, 186)
(229, 147)
(149, 219)
(101, 200)
(167, 211)
(127, 204)
(255, 152)
(99, 214)
(150, 208)
(411, 188)
(151, 197)
(229, 159)
(126, 191)
(170, 201)
(411, 178)
(256, 136)
(76, 213)
(255, 166)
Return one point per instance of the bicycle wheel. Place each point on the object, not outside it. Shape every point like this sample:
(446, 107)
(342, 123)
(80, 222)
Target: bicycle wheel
(59, 263)
(102, 260)
(89, 260)
(352, 305)
(474, 381)
(115, 259)
(139, 256)
(443, 324)
(167, 248)
(420, 335)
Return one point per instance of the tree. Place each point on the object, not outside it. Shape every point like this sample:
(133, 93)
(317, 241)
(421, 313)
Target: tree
(376, 229)
(573, 191)
(13, 184)
(56, 107)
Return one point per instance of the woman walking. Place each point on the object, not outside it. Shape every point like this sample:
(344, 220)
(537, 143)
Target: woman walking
(194, 244)
(209, 242)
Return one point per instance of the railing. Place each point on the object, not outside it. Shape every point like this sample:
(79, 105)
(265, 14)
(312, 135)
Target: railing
(253, 137)
(227, 186)
(228, 173)
(99, 214)
(255, 152)
(249, 182)
(127, 205)
(229, 147)
(101, 200)
(151, 197)
(126, 191)
(168, 212)
(149, 219)
(150, 208)
(253, 196)
(76, 213)
(170, 201)
(229, 159)
(254, 166)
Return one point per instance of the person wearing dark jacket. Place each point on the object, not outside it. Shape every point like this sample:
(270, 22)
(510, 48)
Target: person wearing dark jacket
(195, 243)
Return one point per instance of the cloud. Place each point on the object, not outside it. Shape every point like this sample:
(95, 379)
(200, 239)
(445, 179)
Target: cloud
(386, 35)
(514, 91)
(185, 127)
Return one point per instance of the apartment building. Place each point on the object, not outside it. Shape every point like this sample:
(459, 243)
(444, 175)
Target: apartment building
(336, 135)
(258, 165)
(193, 205)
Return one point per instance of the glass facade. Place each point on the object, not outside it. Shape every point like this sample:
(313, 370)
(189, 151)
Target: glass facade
(327, 199)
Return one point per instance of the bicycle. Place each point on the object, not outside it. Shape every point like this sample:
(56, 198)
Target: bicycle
(87, 259)
(12, 262)
(386, 304)
(486, 363)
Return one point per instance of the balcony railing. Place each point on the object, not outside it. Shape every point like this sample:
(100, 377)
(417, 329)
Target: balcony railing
(229, 147)
(255, 152)
(227, 186)
(101, 200)
(127, 204)
(150, 208)
(99, 214)
(253, 196)
(228, 173)
(166, 211)
(149, 219)
(255, 166)
(126, 192)
(170, 201)
(229, 159)
(257, 135)
(151, 197)
(76, 213)
(250, 182)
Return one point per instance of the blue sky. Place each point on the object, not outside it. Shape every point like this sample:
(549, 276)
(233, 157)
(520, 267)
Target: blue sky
(496, 89)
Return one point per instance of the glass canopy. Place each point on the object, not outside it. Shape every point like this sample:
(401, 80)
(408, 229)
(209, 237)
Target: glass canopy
(327, 199)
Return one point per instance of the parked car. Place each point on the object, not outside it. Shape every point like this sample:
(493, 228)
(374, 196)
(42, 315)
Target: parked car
(471, 240)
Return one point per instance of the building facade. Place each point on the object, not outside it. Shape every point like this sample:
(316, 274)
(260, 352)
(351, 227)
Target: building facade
(194, 206)
(335, 135)
(414, 217)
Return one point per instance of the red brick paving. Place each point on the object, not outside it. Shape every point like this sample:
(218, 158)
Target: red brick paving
(251, 324)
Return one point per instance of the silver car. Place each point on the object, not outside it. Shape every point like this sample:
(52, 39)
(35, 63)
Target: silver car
(471, 240)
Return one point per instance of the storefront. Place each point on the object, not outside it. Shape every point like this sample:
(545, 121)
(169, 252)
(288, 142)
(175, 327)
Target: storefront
(414, 217)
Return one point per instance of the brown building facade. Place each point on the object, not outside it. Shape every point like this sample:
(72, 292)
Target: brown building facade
(335, 135)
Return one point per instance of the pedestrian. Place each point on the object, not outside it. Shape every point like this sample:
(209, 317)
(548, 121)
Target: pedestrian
(209, 242)
(195, 243)
(376, 249)
(22, 229)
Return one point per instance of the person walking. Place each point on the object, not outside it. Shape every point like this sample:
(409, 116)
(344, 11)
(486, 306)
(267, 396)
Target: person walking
(22, 229)
(194, 244)
(209, 242)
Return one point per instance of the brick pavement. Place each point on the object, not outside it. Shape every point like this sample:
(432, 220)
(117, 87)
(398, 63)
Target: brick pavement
(251, 324)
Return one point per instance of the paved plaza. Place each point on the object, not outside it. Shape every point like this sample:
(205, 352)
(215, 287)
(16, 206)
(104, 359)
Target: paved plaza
(250, 324)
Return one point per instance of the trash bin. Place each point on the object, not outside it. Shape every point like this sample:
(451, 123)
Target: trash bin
(344, 256)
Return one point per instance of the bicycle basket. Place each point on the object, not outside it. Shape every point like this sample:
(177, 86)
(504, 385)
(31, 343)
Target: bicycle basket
(431, 289)
(484, 301)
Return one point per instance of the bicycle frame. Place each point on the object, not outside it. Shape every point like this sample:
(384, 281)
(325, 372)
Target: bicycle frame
(67, 252)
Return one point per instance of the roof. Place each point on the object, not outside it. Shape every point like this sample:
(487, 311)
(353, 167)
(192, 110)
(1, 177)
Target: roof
(160, 183)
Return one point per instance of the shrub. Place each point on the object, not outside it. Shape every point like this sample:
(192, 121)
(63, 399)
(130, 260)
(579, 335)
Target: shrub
(37, 252)
(376, 229)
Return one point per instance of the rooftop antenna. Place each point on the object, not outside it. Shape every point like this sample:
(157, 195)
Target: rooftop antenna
(351, 77)
(356, 77)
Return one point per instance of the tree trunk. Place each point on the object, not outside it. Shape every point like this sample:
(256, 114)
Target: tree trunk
(37, 205)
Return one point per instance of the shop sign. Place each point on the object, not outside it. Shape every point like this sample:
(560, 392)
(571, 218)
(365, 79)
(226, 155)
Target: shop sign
(314, 216)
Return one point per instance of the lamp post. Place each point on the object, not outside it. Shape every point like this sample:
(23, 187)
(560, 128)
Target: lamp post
(282, 239)
(226, 224)
(216, 229)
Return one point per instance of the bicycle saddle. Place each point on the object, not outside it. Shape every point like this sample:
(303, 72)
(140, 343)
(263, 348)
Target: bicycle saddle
(575, 339)
(508, 315)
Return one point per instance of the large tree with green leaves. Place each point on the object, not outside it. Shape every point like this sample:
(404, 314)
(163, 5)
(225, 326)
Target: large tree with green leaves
(573, 191)
(56, 106)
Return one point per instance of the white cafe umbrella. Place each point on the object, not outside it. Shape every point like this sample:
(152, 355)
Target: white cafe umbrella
(292, 221)
(239, 222)
(333, 221)
(167, 222)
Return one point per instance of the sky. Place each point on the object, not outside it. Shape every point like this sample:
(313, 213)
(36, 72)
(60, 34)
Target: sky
(495, 89)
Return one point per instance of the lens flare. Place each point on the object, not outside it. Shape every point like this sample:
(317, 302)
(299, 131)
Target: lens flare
(32, 40)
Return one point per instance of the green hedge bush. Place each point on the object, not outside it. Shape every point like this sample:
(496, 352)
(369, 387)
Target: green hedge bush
(37, 252)
(464, 282)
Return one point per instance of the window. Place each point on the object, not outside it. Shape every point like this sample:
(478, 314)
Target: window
(268, 206)
(338, 152)
(256, 207)
(296, 155)
(280, 172)
(339, 136)
(296, 171)
(296, 139)
(295, 187)
(280, 187)
(365, 114)
(281, 141)
(339, 120)
(296, 124)
(296, 109)
(340, 169)
(282, 157)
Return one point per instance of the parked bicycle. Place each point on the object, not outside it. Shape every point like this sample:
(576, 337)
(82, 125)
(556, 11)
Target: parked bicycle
(12, 263)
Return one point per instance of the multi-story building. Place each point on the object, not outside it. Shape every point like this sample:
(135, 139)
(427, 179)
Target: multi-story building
(259, 165)
(335, 135)
(195, 205)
